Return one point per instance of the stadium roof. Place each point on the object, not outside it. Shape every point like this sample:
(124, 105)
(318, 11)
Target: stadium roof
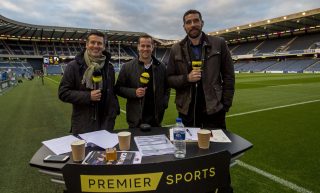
(10, 29)
(298, 23)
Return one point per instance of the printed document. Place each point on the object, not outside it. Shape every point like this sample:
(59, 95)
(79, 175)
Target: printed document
(219, 136)
(154, 145)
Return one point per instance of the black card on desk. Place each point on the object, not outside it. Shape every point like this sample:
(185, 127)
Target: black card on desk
(99, 158)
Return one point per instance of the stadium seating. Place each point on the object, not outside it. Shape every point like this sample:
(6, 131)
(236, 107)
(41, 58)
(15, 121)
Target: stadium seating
(18, 67)
(304, 42)
(289, 65)
(253, 66)
(314, 67)
(290, 44)
(273, 45)
(245, 48)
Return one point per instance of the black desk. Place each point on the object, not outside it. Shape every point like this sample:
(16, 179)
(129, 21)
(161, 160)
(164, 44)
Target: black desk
(236, 149)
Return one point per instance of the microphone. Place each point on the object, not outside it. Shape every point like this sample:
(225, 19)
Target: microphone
(96, 78)
(196, 65)
(144, 78)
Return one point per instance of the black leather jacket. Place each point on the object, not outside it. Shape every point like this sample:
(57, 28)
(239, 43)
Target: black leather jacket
(128, 82)
(218, 77)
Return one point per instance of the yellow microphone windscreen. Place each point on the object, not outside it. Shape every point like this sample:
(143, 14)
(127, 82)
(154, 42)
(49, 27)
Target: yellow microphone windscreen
(96, 79)
(96, 76)
(197, 65)
(144, 78)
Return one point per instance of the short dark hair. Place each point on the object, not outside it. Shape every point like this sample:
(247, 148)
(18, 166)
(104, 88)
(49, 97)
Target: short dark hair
(146, 36)
(191, 11)
(97, 33)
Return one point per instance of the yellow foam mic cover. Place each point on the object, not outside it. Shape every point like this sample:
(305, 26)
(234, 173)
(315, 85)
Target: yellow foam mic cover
(96, 79)
(144, 78)
(196, 65)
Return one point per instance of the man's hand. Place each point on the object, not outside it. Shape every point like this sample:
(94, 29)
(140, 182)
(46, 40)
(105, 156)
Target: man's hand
(194, 76)
(140, 92)
(95, 95)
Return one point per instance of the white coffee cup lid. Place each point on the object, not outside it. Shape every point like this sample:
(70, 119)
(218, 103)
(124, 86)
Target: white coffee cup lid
(204, 131)
(124, 133)
(78, 142)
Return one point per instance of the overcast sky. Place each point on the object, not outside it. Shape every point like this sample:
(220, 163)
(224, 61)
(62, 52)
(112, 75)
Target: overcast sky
(159, 18)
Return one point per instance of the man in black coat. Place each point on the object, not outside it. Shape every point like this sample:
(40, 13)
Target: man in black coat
(201, 70)
(88, 84)
(146, 101)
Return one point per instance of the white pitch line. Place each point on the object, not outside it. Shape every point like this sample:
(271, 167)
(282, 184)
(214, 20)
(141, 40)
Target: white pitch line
(52, 80)
(272, 108)
(285, 85)
(266, 174)
(274, 178)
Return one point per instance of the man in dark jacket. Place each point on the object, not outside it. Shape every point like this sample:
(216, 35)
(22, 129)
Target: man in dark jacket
(146, 99)
(88, 84)
(200, 68)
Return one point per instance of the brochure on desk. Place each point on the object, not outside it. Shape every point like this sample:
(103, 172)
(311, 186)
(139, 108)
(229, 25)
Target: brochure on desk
(123, 157)
(217, 135)
(154, 145)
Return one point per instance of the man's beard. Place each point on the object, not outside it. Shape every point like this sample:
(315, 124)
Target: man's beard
(193, 35)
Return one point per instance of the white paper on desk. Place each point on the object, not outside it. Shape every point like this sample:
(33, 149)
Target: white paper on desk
(60, 145)
(191, 134)
(102, 138)
(219, 136)
(154, 145)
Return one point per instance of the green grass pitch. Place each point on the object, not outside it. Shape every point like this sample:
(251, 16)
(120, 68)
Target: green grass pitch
(278, 113)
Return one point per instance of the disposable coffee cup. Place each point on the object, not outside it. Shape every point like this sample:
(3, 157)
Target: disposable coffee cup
(204, 138)
(78, 150)
(124, 140)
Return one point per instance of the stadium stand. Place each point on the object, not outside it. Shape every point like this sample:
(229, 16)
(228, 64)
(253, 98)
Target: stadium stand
(277, 45)
(273, 45)
(247, 48)
(253, 66)
(314, 67)
(286, 44)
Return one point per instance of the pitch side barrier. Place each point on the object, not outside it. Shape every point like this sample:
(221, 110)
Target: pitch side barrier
(4, 85)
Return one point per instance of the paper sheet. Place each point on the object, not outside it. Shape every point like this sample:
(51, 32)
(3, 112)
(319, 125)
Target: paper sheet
(154, 145)
(102, 138)
(192, 136)
(219, 136)
(60, 145)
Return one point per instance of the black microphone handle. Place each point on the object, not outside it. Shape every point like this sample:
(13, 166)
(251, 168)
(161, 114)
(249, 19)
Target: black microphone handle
(96, 86)
(95, 104)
